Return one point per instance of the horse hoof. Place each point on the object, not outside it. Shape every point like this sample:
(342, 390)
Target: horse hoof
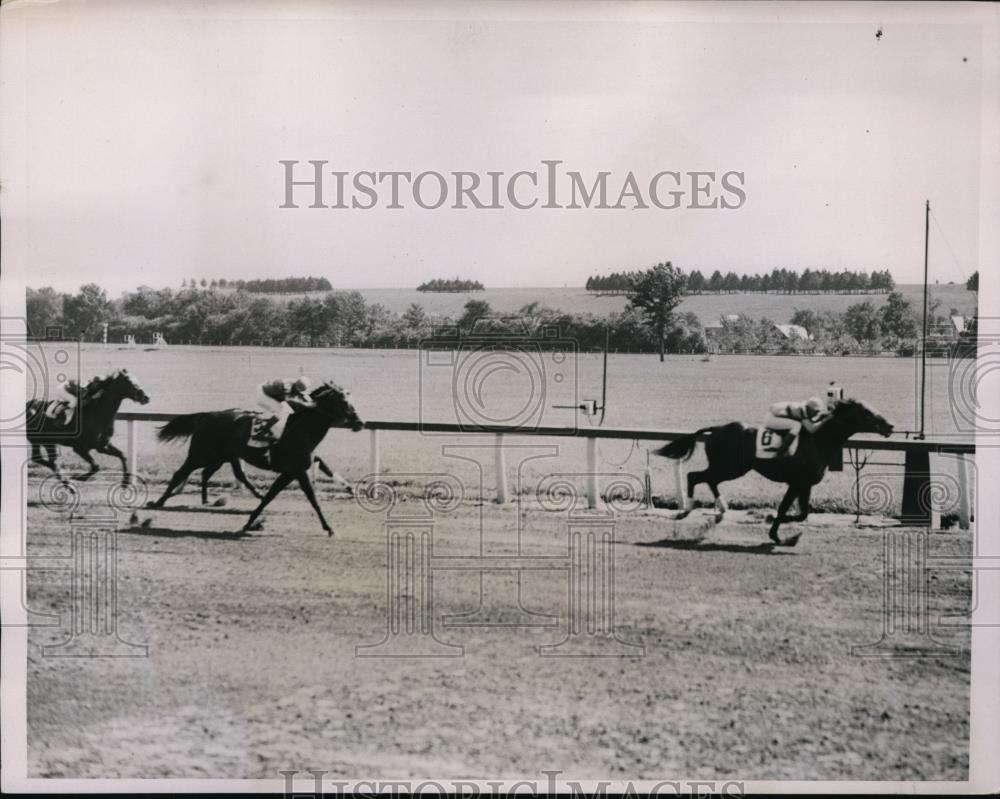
(682, 515)
(719, 517)
(769, 518)
(791, 540)
(258, 525)
(220, 502)
(329, 532)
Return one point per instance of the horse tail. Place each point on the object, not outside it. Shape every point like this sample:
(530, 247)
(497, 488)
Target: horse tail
(683, 447)
(182, 426)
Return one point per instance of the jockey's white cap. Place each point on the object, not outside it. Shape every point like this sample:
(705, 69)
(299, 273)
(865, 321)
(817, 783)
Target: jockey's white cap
(816, 404)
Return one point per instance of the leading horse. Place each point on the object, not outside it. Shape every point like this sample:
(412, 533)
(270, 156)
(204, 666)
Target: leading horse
(91, 429)
(219, 437)
(732, 452)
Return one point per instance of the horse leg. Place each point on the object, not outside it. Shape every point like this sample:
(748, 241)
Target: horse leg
(53, 462)
(779, 517)
(238, 471)
(276, 488)
(37, 457)
(323, 467)
(720, 502)
(693, 479)
(307, 489)
(180, 477)
(206, 473)
(803, 514)
(111, 449)
(94, 468)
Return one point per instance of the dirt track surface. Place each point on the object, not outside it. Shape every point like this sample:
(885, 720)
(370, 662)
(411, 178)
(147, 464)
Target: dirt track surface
(746, 668)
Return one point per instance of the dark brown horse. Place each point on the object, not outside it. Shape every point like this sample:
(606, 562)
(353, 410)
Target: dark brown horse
(91, 429)
(220, 437)
(731, 451)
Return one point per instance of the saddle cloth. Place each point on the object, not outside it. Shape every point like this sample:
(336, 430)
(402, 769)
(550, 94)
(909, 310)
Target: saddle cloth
(769, 441)
(259, 431)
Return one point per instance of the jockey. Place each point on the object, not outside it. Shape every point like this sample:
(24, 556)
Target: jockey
(787, 417)
(282, 398)
(71, 394)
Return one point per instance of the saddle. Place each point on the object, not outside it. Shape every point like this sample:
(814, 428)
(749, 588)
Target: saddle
(260, 431)
(55, 411)
(770, 441)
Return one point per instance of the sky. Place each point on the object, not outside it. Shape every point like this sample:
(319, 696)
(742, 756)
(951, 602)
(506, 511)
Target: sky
(140, 143)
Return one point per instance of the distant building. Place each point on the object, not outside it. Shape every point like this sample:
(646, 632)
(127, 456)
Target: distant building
(793, 332)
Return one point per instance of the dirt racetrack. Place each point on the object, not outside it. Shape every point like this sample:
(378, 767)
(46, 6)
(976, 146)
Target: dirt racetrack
(740, 662)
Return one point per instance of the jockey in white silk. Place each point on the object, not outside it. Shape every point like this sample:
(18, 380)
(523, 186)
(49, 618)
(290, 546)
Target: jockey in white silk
(282, 398)
(787, 417)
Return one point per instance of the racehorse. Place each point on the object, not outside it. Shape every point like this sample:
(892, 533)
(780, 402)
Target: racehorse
(219, 437)
(91, 428)
(732, 452)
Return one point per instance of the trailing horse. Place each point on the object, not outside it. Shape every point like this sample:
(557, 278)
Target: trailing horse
(732, 452)
(219, 437)
(93, 428)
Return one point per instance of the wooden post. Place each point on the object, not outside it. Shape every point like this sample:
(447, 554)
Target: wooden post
(679, 485)
(963, 492)
(133, 450)
(374, 457)
(916, 487)
(500, 463)
(593, 484)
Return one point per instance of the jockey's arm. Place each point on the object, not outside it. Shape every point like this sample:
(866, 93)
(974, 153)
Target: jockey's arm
(300, 401)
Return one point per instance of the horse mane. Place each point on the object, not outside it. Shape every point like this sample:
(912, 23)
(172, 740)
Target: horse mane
(326, 387)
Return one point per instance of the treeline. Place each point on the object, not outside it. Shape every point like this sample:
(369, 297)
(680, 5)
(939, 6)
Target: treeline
(282, 285)
(345, 319)
(782, 281)
(615, 283)
(453, 284)
(335, 319)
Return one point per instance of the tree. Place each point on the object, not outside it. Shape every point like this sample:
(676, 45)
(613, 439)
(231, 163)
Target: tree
(472, 312)
(43, 309)
(655, 293)
(897, 317)
(862, 322)
(972, 284)
(415, 321)
(696, 282)
(87, 309)
(204, 282)
(807, 318)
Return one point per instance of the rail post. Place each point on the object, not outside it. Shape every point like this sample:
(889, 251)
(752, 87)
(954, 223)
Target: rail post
(500, 464)
(133, 450)
(682, 502)
(593, 484)
(374, 456)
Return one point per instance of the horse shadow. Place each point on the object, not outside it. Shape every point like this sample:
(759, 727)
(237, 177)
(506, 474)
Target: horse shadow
(763, 548)
(207, 535)
(212, 509)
